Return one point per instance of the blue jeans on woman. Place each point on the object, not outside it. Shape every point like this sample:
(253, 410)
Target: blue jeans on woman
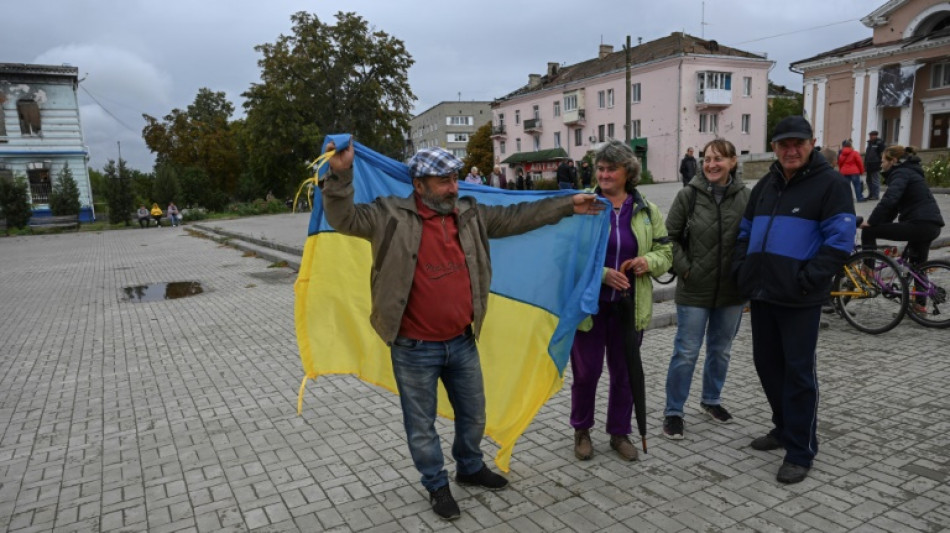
(418, 366)
(857, 185)
(719, 326)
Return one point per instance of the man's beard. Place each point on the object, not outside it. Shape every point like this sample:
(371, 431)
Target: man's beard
(442, 206)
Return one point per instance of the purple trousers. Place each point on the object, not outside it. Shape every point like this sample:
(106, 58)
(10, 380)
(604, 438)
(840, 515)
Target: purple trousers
(587, 363)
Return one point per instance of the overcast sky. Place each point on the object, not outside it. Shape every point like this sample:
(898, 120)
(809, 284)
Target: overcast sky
(150, 56)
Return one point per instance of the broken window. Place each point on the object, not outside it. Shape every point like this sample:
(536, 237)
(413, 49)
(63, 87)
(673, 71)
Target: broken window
(29, 116)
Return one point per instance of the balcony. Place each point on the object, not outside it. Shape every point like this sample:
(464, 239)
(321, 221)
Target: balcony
(498, 131)
(714, 98)
(532, 125)
(574, 117)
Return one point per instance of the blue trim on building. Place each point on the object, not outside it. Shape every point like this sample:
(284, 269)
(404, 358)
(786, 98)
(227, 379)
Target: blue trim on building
(85, 214)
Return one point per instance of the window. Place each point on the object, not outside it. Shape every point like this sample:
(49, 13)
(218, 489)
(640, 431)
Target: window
(715, 80)
(536, 112)
(610, 97)
(940, 75)
(897, 130)
(747, 86)
(578, 137)
(460, 121)
(3, 124)
(746, 120)
(501, 119)
(457, 138)
(610, 130)
(518, 116)
(557, 139)
(459, 153)
(708, 123)
(635, 129)
(517, 145)
(570, 102)
(600, 133)
(38, 174)
(557, 108)
(537, 143)
(635, 93)
(29, 114)
(601, 100)
(501, 147)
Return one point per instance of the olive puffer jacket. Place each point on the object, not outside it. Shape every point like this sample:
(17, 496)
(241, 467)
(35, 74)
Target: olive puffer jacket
(704, 273)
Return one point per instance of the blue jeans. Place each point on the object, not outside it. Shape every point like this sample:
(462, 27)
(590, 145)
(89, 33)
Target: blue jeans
(418, 366)
(857, 185)
(565, 185)
(719, 325)
(874, 184)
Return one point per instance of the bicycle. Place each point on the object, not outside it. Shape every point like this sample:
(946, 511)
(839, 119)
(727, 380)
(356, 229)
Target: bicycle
(928, 284)
(870, 292)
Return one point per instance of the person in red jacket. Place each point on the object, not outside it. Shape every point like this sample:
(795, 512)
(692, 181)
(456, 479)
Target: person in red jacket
(851, 166)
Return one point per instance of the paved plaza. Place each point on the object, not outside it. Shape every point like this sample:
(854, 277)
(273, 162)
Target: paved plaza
(180, 415)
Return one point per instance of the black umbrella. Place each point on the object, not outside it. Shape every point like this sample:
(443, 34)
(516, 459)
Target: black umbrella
(631, 343)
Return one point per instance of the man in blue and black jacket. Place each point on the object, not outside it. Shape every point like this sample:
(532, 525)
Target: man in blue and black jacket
(797, 232)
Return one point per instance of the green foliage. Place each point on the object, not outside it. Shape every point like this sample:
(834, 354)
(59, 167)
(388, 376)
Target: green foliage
(165, 187)
(258, 207)
(937, 173)
(545, 184)
(646, 177)
(100, 187)
(480, 151)
(15, 202)
(780, 108)
(120, 192)
(64, 198)
(249, 187)
(199, 137)
(320, 79)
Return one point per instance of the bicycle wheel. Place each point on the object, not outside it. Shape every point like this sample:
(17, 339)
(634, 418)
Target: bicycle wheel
(928, 286)
(870, 292)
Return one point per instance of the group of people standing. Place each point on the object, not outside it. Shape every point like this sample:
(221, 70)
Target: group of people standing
(776, 246)
(145, 216)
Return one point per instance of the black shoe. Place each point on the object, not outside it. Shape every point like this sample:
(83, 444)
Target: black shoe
(717, 412)
(444, 504)
(673, 427)
(483, 478)
(791, 473)
(766, 443)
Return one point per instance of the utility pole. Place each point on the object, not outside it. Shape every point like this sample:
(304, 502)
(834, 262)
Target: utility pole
(626, 126)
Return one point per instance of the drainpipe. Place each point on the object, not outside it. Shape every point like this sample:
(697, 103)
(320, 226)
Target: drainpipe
(679, 116)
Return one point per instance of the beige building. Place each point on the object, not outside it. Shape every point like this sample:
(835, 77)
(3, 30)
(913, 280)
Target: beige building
(897, 81)
(447, 125)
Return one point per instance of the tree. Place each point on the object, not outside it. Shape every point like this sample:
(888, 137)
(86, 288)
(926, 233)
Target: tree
(64, 198)
(780, 108)
(165, 187)
(479, 151)
(200, 137)
(323, 78)
(15, 202)
(120, 192)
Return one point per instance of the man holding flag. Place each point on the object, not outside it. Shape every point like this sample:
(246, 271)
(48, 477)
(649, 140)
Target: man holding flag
(429, 287)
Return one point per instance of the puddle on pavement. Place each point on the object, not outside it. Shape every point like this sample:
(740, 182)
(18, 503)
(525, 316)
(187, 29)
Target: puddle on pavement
(161, 291)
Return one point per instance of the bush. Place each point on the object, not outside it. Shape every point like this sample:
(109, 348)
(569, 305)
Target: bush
(937, 173)
(15, 202)
(257, 207)
(646, 177)
(545, 184)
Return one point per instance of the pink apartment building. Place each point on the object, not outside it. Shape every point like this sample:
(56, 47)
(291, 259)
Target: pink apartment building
(684, 92)
(896, 82)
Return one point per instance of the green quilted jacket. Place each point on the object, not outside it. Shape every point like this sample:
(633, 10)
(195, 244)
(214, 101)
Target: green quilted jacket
(703, 275)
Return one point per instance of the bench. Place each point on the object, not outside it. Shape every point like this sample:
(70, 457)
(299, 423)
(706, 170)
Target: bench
(50, 221)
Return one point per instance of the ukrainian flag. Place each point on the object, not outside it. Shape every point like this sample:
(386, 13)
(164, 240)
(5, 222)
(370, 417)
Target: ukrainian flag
(544, 283)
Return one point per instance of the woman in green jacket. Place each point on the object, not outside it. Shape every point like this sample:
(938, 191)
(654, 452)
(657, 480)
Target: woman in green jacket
(703, 223)
(637, 247)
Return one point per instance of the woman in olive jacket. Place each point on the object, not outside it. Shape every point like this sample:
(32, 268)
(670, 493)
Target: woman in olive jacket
(703, 224)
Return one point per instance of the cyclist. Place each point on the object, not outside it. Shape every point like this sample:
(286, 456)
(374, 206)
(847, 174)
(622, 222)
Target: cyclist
(908, 198)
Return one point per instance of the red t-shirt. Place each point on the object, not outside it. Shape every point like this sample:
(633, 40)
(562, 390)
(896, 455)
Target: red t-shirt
(440, 301)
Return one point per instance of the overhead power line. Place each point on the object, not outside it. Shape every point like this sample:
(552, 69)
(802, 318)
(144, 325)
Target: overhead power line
(798, 31)
(110, 113)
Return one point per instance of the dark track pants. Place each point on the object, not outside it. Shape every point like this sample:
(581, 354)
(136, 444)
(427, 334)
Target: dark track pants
(784, 341)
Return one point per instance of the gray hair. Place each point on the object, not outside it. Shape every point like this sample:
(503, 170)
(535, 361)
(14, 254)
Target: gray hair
(617, 153)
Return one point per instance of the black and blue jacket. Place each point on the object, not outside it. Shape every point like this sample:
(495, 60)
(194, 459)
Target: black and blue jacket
(795, 235)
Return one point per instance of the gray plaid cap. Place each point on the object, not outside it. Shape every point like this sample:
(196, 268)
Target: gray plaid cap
(434, 162)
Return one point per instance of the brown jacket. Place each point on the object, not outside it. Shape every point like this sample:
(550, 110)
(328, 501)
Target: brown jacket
(394, 229)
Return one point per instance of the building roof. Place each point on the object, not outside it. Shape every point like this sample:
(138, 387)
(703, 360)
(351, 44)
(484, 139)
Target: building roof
(43, 70)
(531, 157)
(673, 45)
(781, 91)
(841, 51)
